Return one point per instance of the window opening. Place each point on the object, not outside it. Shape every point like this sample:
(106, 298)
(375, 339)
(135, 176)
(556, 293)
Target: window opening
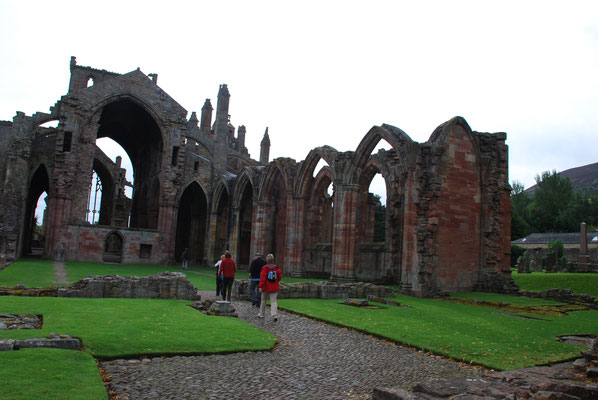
(94, 199)
(175, 155)
(66, 143)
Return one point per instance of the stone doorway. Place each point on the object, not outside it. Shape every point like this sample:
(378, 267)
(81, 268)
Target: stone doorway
(192, 223)
(34, 242)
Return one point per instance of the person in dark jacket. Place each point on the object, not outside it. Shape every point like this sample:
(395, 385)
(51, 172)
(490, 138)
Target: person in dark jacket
(255, 270)
(228, 268)
(185, 258)
(269, 287)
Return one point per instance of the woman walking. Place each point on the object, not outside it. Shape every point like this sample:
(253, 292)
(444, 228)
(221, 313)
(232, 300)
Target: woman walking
(227, 268)
(269, 287)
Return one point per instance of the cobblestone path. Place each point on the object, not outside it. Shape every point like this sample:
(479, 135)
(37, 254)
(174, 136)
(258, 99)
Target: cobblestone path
(312, 361)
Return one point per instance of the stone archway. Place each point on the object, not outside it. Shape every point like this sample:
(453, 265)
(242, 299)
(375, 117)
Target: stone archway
(245, 225)
(131, 126)
(38, 185)
(192, 223)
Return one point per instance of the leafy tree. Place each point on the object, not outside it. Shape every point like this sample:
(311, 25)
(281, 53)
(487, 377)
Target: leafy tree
(551, 199)
(554, 207)
(520, 202)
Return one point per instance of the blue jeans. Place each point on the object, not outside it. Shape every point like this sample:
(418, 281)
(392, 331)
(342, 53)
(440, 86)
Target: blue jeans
(254, 290)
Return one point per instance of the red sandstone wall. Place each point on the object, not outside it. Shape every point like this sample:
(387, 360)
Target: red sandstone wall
(86, 243)
(458, 216)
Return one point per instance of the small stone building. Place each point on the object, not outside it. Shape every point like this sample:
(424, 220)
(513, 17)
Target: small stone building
(195, 186)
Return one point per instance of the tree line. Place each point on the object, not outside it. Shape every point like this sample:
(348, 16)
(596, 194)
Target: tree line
(554, 206)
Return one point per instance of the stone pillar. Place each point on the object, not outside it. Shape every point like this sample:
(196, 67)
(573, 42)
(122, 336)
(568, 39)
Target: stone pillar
(344, 240)
(295, 234)
(584, 258)
(167, 226)
(58, 207)
(261, 228)
(234, 234)
(211, 236)
(410, 256)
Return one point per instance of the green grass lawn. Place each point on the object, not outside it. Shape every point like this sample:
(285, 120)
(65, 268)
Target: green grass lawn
(539, 281)
(51, 374)
(30, 272)
(473, 334)
(129, 327)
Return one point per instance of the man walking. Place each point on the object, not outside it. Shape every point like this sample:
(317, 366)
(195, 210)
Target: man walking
(255, 270)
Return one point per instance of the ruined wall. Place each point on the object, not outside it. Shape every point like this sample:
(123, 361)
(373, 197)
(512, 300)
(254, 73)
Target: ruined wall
(84, 242)
(457, 214)
(448, 208)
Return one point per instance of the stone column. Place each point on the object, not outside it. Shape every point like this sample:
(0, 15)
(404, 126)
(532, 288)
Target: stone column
(211, 236)
(167, 218)
(344, 239)
(234, 234)
(584, 258)
(410, 256)
(261, 228)
(294, 235)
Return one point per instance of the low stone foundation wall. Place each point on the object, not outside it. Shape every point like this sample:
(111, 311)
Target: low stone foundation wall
(65, 342)
(564, 295)
(166, 285)
(318, 290)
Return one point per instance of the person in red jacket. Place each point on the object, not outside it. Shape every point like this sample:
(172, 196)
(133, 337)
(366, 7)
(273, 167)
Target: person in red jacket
(269, 286)
(227, 270)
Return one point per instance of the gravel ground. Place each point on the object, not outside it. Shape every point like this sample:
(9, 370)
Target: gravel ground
(311, 361)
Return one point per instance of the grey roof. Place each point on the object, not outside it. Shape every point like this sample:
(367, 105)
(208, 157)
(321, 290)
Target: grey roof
(566, 238)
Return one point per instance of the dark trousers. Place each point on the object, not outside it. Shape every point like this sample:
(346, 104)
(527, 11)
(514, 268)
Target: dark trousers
(218, 284)
(254, 290)
(227, 287)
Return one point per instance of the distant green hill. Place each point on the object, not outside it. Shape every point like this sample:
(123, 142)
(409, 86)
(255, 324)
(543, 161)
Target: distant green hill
(583, 179)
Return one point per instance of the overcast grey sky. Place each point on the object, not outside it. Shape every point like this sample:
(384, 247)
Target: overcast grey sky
(324, 72)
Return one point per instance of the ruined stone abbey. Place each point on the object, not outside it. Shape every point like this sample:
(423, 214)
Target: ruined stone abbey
(195, 186)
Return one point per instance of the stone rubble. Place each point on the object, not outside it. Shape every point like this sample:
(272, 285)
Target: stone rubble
(20, 321)
(165, 285)
(55, 341)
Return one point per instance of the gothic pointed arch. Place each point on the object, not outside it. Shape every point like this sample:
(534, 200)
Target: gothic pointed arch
(247, 179)
(221, 206)
(458, 225)
(191, 226)
(272, 210)
(107, 193)
(135, 126)
(39, 182)
(404, 147)
(243, 216)
(306, 171)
